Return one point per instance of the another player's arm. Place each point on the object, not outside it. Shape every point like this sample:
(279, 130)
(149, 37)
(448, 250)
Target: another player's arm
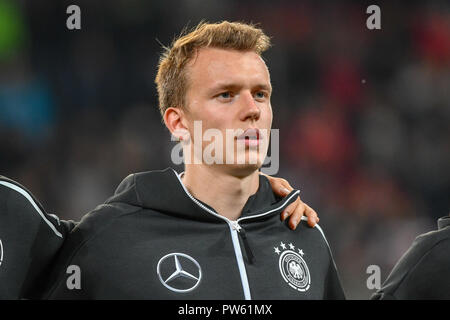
(29, 240)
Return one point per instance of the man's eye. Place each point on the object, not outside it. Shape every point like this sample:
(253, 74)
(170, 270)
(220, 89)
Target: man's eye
(260, 95)
(225, 95)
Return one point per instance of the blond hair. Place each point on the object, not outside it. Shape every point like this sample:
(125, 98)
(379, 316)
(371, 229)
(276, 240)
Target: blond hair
(171, 79)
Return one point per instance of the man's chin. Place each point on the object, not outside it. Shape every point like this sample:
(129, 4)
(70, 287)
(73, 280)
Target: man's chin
(242, 170)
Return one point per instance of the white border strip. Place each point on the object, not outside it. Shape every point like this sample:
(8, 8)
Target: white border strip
(328, 245)
(241, 264)
(270, 211)
(29, 198)
(1, 252)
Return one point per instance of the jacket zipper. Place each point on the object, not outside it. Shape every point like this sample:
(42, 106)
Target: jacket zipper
(236, 230)
(241, 232)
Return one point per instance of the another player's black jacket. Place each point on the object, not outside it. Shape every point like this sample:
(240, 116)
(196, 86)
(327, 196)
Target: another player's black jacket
(154, 240)
(423, 272)
(29, 240)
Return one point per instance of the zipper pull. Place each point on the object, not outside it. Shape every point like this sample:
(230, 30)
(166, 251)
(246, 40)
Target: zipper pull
(236, 225)
(243, 235)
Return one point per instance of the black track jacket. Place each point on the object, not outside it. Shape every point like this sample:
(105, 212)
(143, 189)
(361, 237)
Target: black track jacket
(153, 240)
(29, 241)
(423, 272)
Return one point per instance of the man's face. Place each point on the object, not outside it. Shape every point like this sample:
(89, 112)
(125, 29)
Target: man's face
(230, 89)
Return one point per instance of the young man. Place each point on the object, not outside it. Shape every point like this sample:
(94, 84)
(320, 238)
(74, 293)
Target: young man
(212, 232)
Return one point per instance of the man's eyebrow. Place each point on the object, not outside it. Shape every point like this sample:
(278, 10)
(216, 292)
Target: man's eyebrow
(264, 87)
(226, 86)
(235, 86)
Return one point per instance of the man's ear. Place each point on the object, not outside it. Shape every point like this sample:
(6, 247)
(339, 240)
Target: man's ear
(175, 120)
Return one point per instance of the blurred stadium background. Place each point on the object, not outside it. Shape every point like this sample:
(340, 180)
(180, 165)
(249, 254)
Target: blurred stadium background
(363, 115)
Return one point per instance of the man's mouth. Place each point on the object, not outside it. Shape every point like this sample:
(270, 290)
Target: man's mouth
(249, 134)
(251, 137)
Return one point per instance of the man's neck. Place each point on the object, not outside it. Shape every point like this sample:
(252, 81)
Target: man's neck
(226, 193)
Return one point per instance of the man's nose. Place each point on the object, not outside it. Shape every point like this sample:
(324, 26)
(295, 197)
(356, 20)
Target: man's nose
(250, 109)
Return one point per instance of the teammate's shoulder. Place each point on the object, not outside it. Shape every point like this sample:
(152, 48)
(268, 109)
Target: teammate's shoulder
(20, 206)
(14, 190)
(427, 241)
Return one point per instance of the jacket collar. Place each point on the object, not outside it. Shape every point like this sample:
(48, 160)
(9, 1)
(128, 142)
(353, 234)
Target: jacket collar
(444, 222)
(164, 192)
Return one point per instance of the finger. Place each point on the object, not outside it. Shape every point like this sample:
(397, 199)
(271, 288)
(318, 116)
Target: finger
(285, 187)
(313, 218)
(289, 209)
(287, 184)
(279, 185)
(297, 215)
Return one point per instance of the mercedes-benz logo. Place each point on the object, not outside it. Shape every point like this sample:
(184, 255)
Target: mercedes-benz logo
(179, 272)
